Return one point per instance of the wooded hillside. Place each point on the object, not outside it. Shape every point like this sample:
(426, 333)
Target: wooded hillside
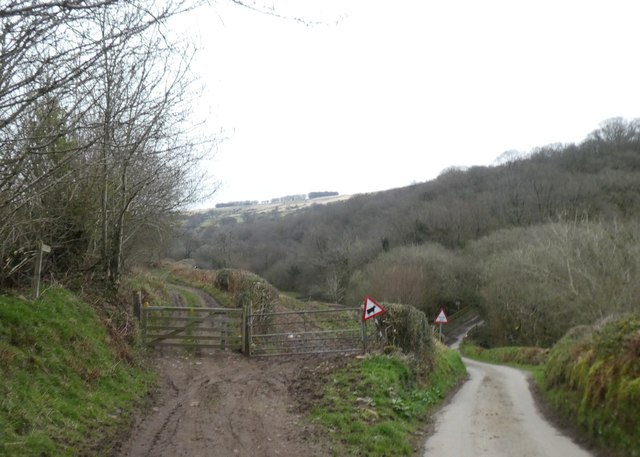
(555, 231)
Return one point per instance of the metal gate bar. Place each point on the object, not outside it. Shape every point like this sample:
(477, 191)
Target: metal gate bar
(306, 332)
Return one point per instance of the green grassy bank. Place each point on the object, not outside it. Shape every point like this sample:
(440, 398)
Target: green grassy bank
(516, 356)
(65, 388)
(373, 406)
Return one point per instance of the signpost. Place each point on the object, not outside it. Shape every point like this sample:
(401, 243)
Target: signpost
(42, 249)
(441, 318)
(370, 309)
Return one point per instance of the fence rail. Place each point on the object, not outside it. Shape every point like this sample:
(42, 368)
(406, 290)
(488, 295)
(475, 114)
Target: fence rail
(192, 327)
(337, 330)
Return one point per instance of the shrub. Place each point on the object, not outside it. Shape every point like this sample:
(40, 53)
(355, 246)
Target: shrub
(407, 328)
(255, 293)
(224, 279)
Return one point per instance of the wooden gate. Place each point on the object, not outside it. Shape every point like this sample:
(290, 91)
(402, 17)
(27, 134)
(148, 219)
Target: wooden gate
(192, 327)
(339, 330)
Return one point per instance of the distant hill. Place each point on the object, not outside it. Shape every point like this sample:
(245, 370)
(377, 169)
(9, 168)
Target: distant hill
(279, 200)
(252, 207)
(306, 245)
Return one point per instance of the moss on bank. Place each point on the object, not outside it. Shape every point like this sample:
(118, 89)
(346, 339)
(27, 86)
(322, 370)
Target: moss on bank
(65, 389)
(593, 377)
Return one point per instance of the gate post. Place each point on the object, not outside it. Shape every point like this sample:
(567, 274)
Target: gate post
(364, 336)
(137, 304)
(246, 331)
(143, 324)
(224, 330)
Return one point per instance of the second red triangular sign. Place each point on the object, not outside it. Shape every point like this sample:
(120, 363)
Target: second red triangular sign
(371, 309)
(442, 318)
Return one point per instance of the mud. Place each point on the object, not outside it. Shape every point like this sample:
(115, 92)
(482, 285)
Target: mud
(224, 404)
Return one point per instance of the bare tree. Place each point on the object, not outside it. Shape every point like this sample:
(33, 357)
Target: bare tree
(91, 92)
(559, 275)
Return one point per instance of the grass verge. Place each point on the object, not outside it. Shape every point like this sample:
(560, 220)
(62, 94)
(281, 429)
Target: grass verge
(373, 406)
(526, 358)
(200, 279)
(63, 389)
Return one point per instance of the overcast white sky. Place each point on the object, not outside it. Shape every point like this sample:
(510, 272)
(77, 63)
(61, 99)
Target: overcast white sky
(385, 93)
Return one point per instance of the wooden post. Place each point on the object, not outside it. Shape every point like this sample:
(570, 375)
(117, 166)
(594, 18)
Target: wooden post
(137, 304)
(246, 337)
(143, 324)
(42, 248)
(223, 330)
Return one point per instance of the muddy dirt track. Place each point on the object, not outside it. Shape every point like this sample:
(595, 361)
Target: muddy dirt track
(224, 404)
(221, 403)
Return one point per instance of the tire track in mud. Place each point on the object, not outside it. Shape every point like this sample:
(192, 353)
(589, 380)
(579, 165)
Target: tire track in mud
(224, 404)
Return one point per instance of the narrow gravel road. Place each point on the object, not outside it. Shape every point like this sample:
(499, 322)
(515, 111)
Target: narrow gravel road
(494, 415)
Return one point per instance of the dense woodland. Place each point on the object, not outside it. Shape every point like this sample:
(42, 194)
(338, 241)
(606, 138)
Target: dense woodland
(539, 243)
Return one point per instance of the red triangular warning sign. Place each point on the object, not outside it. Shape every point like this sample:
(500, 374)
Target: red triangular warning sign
(371, 309)
(441, 318)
